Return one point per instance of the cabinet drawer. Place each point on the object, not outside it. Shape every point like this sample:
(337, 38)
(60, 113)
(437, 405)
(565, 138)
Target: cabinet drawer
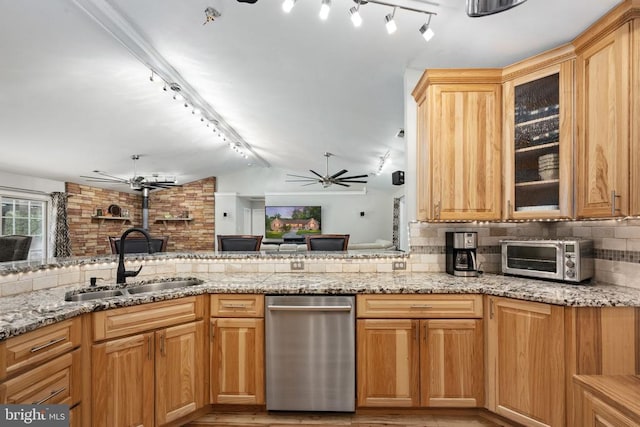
(419, 306)
(30, 349)
(131, 320)
(55, 382)
(234, 305)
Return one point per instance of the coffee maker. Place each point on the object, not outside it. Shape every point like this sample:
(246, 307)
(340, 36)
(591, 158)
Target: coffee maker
(461, 249)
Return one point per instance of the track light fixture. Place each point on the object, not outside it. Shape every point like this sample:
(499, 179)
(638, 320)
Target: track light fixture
(325, 8)
(355, 15)
(287, 5)
(390, 22)
(426, 31)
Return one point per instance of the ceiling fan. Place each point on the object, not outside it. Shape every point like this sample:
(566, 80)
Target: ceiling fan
(328, 180)
(136, 182)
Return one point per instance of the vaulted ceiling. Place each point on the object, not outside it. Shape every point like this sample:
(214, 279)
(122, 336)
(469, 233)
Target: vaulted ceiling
(75, 99)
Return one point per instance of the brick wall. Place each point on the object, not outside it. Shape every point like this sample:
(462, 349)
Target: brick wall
(89, 236)
(195, 197)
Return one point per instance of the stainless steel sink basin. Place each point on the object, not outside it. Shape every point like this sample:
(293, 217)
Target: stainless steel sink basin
(86, 296)
(160, 286)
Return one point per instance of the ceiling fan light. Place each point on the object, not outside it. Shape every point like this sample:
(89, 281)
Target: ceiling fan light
(478, 8)
(287, 5)
(325, 8)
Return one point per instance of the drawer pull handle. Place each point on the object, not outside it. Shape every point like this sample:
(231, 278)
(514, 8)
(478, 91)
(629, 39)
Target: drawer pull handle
(231, 305)
(49, 344)
(421, 306)
(53, 394)
(309, 308)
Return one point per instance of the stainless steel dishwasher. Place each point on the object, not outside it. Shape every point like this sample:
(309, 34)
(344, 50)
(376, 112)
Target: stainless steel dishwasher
(310, 353)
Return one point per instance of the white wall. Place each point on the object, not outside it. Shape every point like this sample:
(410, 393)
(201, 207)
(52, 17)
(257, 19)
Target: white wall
(23, 182)
(340, 212)
(411, 78)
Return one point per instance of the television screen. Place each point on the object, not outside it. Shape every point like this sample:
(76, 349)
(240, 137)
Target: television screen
(291, 223)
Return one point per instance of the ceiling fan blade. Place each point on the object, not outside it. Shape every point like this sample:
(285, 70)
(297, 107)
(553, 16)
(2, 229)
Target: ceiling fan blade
(117, 178)
(313, 181)
(316, 173)
(355, 177)
(339, 183)
(351, 182)
(302, 176)
(337, 174)
(92, 179)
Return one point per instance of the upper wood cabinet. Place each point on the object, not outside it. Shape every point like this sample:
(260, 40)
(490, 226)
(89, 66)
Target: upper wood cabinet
(603, 137)
(459, 138)
(538, 136)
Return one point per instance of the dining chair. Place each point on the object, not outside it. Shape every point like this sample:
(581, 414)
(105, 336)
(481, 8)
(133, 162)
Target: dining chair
(138, 245)
(327, 242)
(14, 247)
(239, 243)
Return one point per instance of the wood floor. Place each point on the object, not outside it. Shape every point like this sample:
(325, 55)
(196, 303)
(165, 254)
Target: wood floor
(351, 420)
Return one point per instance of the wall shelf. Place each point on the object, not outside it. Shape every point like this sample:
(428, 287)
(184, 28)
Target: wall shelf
(102, 219)
(166, 221)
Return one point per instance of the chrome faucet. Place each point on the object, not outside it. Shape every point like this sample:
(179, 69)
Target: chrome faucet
(122, 274)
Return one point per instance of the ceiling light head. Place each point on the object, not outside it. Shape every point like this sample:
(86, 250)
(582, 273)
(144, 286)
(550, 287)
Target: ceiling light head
(390, 22)
(287, 5)
(325, 8)
(355, 16)
(426, 30)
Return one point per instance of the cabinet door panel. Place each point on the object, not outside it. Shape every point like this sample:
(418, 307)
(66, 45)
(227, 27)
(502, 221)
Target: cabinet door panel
(465, 152)
(603, 126)
(123, 382)
(525, 342)
(237, 361)
(179, 367)
(451, 363)
(387, 363)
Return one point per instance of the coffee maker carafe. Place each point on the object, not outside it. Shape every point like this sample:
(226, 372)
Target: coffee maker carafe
(461, 249)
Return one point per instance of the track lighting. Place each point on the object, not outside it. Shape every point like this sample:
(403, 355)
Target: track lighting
(426, 31)
(325, 8)
(390, 22)
(287, 5)
(355, 15)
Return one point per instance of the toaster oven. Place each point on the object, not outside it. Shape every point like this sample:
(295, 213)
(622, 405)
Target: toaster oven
(568, 260)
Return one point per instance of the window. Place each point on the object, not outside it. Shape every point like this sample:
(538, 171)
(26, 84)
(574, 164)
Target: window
(25, 217)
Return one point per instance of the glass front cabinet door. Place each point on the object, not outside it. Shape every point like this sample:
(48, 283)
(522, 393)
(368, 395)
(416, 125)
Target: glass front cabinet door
(538, 141)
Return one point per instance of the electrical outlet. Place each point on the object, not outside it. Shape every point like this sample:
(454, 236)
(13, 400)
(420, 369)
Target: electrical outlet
(399, 265)
(297, 265)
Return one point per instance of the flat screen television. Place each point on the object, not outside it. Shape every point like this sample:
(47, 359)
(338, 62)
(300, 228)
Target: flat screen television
(292, 223)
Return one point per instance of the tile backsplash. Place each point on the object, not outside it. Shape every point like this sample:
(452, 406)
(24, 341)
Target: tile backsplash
(616, 244)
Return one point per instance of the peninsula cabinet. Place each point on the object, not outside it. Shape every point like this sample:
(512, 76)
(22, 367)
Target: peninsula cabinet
(44, 367)
(525, 361)
(458, 148)
(420, 350)
(237, 349)
(538, 137)
(149, 370)
(606, 95)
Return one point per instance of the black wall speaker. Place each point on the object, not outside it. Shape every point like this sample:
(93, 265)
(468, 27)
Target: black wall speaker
(397, 177)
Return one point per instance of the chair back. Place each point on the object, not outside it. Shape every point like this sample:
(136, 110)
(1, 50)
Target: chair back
(327, 242)
(14, 247)
(138, 245)
(239, 243)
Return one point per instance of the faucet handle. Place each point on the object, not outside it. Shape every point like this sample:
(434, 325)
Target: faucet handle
(132, 273)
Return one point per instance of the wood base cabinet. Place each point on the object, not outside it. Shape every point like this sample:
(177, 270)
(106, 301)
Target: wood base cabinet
(525, 361)
(164, 367)
(430, 360)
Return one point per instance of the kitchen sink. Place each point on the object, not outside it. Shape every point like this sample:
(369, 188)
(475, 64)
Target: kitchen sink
(160, 286)
(86, 296)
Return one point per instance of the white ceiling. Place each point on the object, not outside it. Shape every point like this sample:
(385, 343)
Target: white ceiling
(74, 99)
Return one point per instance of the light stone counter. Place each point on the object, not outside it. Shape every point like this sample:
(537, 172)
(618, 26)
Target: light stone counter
(28, 311)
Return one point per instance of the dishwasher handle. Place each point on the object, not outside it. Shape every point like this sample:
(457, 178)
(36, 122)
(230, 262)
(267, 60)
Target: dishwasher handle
(309, 307)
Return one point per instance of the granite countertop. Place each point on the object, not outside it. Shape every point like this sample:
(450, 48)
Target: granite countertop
(29, 311)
